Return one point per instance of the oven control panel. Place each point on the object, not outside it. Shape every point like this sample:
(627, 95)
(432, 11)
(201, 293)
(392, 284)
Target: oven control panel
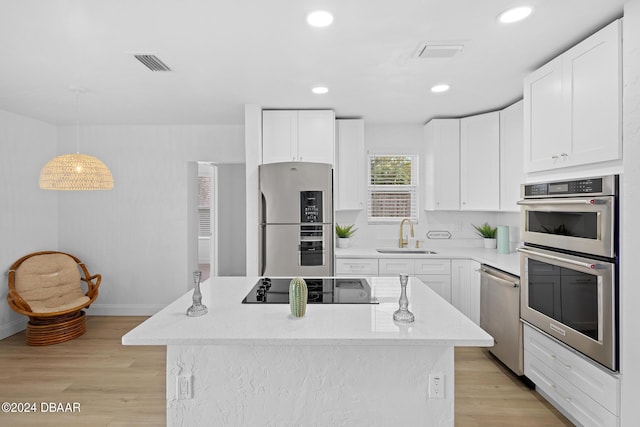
(589, 186)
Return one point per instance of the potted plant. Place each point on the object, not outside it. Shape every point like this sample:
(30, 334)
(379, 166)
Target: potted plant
(344, 234)
(488, 233)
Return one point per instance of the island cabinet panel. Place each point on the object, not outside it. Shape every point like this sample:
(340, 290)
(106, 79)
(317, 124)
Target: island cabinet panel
(442, 164)
(584, 390)
(298, 135)
(356, 266)
(573, 105)
(350, 173)
(480, 162)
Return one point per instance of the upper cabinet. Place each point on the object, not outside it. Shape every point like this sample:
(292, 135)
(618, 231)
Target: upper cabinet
(442, 137)
(349, 173)
(572, 105)
(511, 156)
(298, 135)
(480, 162)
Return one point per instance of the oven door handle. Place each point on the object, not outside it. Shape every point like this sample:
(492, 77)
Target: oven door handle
(484, 272)
(587, 265)
(589, 202)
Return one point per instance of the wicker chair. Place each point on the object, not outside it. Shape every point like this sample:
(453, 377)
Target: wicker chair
(46, 286)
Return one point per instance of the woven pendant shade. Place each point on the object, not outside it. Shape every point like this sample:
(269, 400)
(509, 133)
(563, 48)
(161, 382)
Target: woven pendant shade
(75, 172)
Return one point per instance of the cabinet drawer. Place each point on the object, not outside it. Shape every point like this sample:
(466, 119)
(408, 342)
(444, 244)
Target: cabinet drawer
(393, 266)
(567, 395)
(595, 382)
(357, 266)
(432, 266)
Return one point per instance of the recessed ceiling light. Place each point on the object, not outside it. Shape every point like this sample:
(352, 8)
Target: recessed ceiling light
(440, 88)
(320, 90)
(320, 18)
(516, 14)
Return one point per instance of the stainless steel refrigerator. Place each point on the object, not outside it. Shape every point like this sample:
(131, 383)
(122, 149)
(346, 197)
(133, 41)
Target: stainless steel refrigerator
(296, 219)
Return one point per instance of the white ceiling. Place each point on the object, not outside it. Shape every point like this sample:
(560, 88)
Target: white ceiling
(225, 54)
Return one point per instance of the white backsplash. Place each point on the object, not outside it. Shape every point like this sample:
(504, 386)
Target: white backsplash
(458, 224)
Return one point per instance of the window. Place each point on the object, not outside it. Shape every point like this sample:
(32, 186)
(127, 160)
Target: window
(392, 188)
(204, 206)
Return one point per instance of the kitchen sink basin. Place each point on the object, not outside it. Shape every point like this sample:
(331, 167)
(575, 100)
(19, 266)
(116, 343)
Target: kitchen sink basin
(405, 251)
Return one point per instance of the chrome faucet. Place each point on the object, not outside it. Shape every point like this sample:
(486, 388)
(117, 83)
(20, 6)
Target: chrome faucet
(402, 242)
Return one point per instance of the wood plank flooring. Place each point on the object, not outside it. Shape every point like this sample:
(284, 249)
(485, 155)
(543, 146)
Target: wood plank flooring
(118, 385)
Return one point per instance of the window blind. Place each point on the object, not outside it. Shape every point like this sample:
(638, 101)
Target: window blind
(392, 188)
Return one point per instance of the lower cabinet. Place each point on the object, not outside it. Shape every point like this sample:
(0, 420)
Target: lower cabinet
(356, 266)
(580, 388)
(465, 287)
(455, 280)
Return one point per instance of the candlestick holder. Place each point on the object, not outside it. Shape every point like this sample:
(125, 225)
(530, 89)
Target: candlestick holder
(403, 315)
(197, 308)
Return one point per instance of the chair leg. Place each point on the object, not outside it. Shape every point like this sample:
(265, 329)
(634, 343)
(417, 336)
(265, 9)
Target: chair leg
(47, 331)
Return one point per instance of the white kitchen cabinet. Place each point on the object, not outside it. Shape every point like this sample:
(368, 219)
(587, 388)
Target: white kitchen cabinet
(356, 266)
(572, 105)
(465, 287)
(298, 135)
(395, 266)
(582, 389)
(480, 162)
(350, 173)
(436, 273)
(511, 156)
(442, 190)
(440, 283)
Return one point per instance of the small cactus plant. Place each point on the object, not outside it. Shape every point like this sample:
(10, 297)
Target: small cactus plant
(298, 297)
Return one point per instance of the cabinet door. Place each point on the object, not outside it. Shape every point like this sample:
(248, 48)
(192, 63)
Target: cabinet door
(395, 266)
(279, 136)
(350, 165)
(592, 97)
(440, 283)
(465, 288)
(356, 267)
(442, 138)
(544, 134)
(511, 156)
(480, 162)
(316, 133)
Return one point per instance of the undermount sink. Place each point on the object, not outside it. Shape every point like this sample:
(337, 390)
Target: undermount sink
(405, 251)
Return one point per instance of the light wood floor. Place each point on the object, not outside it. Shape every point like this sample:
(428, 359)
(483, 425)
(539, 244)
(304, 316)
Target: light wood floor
(119, 385)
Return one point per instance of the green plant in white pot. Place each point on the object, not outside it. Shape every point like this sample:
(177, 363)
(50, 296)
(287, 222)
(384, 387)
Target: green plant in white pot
(488, 233)
(344, 234)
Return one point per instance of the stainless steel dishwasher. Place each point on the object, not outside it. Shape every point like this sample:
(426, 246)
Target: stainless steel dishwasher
(500, 315)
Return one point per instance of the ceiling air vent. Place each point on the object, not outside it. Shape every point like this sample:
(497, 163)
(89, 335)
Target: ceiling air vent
(152, 62)
(428, 50)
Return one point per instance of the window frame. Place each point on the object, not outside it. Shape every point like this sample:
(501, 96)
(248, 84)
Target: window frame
(412, 189)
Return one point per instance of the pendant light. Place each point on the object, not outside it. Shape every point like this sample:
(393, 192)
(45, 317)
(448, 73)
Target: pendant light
(76, 171)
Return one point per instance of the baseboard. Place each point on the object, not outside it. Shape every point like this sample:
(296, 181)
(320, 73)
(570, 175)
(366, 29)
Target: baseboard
(13, 327)
(124, 309)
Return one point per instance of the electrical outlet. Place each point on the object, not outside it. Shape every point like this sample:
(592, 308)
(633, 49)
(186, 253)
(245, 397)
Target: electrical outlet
(184, 387)
(436, 385)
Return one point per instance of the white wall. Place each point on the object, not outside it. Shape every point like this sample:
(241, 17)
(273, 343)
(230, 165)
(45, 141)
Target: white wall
(232, 244)
(28, 215)
(630, 206)
(137, 235)
(409, 139)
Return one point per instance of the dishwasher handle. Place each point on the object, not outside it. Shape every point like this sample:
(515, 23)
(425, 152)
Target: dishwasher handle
(485, 272)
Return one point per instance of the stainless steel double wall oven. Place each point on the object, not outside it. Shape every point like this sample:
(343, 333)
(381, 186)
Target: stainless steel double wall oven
(569, 263)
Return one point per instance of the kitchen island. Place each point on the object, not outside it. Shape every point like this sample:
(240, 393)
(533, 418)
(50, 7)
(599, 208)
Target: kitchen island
(341, 364)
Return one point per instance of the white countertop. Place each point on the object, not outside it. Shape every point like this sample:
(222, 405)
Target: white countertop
(229, 321)
(505, 262)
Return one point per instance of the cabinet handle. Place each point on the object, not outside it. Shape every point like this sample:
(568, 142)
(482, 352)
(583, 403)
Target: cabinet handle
(564, 156)
(554, 157)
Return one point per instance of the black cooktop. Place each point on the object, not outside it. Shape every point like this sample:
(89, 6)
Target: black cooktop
(324, 290)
